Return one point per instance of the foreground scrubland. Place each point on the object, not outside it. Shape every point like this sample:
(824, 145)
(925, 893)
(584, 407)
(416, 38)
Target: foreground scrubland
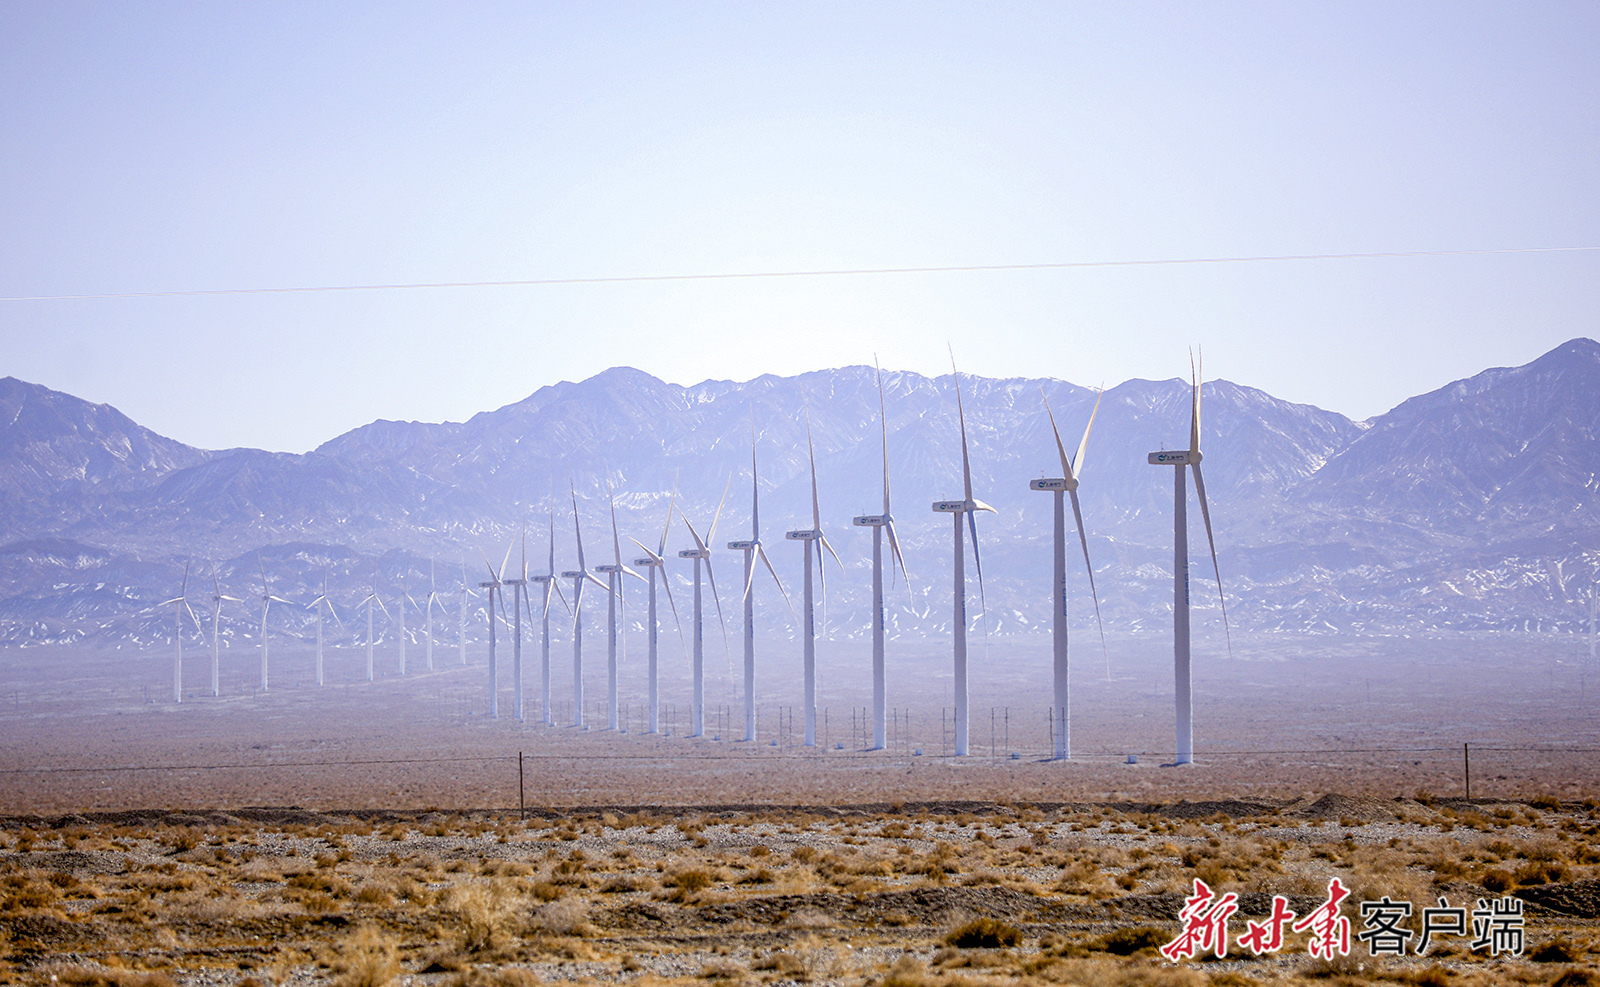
(914, 895)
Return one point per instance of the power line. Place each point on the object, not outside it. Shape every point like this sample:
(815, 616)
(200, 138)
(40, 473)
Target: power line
(756, 275)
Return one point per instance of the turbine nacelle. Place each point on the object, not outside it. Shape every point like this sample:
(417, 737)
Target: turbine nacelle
(810, 534)
(1175, 457)
(540, 579)
(1053, 483)
(744, 546)
(569, 574)
(647, 563)
(961, 506)
(514, 582)
(694, 553)
(871, 520)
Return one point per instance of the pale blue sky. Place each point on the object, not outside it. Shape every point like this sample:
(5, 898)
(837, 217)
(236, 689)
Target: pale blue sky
(154, 147)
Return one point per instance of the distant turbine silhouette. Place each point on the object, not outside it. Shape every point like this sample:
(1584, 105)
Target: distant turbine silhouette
(753, 550)
(701, 553)
(372, 598)
(814, 542)
(1182, 677)
(1067, 483)
(319, 603)
(267, 599)
(614, 573)
(180, 604)
(879, 523)
(217, 596)
(655, 561)
(579, 576)
(956, 508)
(492, 587)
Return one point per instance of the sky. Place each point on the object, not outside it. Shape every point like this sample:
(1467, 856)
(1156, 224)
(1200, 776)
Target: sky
(166, 147)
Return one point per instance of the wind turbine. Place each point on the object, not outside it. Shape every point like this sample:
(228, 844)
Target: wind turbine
(811, 537)
(372, 598)
(1067, 483)
(267, 600)
(217, 596)
(180, 603)
(614, 573)
(879, 523)
(701, 553)
(427, 626)
(400, 605)
(548, 580)
(516, 633)
(461, 631)
(319, 603)
(752, 550)
(1179, 458)
(493, 587)
(655, 560)
(956, 509)
(578, 576)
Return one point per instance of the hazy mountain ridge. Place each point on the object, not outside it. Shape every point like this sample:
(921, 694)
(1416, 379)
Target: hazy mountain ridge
(1471, 506)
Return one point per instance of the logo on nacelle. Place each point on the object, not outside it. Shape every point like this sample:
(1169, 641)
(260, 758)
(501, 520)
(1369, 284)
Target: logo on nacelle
(1173, 457)
(741, 546)
(949, 506)
(1048, 483)
(645, 562)
(808, 535)
(572, 574)
(870, 520)
(694, 553)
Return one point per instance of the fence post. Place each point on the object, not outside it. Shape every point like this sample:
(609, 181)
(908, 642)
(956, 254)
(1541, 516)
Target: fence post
(522, 801)
(1466, 765)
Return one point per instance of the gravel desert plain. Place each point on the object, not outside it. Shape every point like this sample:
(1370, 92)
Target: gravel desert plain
(393, 832)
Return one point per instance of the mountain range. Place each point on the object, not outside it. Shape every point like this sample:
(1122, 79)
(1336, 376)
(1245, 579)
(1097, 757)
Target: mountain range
(1471, 507)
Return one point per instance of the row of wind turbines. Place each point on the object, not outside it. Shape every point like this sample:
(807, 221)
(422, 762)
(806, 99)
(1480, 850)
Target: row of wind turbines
(814, 543)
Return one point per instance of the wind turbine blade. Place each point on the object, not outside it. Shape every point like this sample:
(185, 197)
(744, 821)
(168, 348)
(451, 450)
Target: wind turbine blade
(1061, 450)
(190, 610)
(646, 549)
(379, 601)
(335, 615)
(977, 563)
(1194, 417)
(666, 584)
(671, 503)
(961, 415)
(507, 561)
(616, 540)
(577, 530)
(1083, 540)
(768, 562)
(894, 551)
(590, 577)
(183, 589)
(280, 599)
(755, 488)
(1083, 447)
(711, 532)
(811, 450)
(233, 599)
(749, 581)
(692, 533)
(494, 577)
(559, 592)
(524, 553)
(711, 577)
(552, 563)
(1205, 512)
(883, 421)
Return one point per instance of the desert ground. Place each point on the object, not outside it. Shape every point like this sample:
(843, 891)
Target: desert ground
(367, 833)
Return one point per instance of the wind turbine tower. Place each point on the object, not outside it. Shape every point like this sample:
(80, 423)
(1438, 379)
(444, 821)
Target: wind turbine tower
(613, 573)
(372, 598)
(1066, 484)
(956, 509)
(180, 603)
(752, 550)
(491, 587)
(701, 553)
(1182, 674)
(879, 523)
(814, 542)
(319, 603)
(267, 599)
(578, 576)
(656, 562)
(217, 596)
(516, 632)
(547, 580)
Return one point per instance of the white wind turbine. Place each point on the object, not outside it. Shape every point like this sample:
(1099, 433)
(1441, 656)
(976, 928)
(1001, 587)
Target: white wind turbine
(879, 523)
(702, 553)
(1182, 675)
(461, 630)
(614, 573)
(400, 605)
(654, 560)
(180, 603)
(217, 596)
(814, 542)
(492, 588)
(267, 599)
(578, 576)
(752, 549)
(516, 632)
(427, 626)
(1067, 484)
(547, 579)
(372, 598)
(956, 509)
(319, 603)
